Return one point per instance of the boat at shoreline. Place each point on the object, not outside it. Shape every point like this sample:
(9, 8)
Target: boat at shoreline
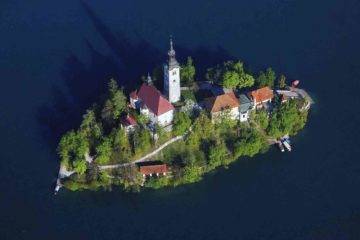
(281, 147)
(286, 142)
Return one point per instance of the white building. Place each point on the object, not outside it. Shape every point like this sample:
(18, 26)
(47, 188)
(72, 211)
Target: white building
(245, 107)
(260, 96)
(225, 105)
(152, 104)
(172, 77)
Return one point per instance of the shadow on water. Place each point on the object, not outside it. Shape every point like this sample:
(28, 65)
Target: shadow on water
(84, 84)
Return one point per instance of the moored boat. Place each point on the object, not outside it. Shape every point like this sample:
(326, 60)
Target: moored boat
(57, 188)
(286, 145)
(281, 147)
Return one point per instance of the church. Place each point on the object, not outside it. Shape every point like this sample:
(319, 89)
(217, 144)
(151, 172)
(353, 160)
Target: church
(151, 102)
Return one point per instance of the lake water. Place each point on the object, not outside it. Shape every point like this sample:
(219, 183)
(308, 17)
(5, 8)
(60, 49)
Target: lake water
(57, 56)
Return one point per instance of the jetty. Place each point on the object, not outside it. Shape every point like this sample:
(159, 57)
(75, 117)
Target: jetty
(63, 173)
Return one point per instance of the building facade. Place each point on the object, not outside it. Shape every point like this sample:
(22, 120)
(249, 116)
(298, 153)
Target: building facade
(172, 77)
(152, 104)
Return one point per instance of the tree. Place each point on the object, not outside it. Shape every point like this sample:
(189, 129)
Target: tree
(214, 74)
(79, 166)
(271, 76)
(230, 75)
(187, 72)
(262, 118)
(181, 122)
(191, 174)
(129, 177)
(72, 148)
(249, 144)
(89, 126)
(161, 133)
(246, 80)
(266, 79)
(142, 141)
(203, 126)
(121, 144)
(107, 111)
(116, 103)
(286, 119)
(217, 154)
(104, 151)
(231, 79)
(112, 87)
(282, 81)
(120, 104)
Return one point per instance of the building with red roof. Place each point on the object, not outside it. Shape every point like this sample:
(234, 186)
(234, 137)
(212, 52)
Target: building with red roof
(261, 96)
(128, 122)
(151, 103)
(225, 103)
(155, 169)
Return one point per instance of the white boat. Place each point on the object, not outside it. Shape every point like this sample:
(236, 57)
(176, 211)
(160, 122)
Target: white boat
(281, 147)
(57, 188)
(287, 145)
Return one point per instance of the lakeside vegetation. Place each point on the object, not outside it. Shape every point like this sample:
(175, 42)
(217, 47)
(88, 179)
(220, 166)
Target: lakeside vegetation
(206, 146)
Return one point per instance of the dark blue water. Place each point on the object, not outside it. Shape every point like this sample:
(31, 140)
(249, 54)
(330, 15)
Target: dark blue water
(55, 60)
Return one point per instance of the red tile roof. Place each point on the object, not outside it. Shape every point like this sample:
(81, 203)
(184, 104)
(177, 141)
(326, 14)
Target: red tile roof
(225, 101)
(154, 169)
(152, 98)
(128, 121)
(261, 94)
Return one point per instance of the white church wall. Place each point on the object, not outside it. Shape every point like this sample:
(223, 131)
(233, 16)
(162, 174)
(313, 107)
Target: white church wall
(165, 118)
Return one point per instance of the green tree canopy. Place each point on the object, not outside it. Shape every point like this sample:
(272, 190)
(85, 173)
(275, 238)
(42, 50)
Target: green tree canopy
(217, 154)
(181, 122)
(282, 81)
(286, 119)
(249, 144)
(266, 79)
(142, 141)
(72, 148)
(79, 166)
(230, 75)
(121, 144)
(262, 118)
(187, 72)
(104, 151)
(116, 103)
(89, 126)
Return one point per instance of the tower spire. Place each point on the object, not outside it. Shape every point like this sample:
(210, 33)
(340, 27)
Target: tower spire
(171, 43)
(149, 80)
(172, 59)
(171, 52)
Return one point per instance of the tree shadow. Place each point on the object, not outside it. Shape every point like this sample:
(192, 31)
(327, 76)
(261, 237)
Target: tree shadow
(85, 84)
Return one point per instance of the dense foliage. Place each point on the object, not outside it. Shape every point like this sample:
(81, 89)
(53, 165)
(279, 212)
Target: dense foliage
(266, 79)
(187, 73)
(231, 75)
(287, 119)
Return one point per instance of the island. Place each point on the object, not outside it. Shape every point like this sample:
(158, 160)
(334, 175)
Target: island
(154, 139)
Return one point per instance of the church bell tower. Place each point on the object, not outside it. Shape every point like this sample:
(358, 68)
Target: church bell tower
(172, 76)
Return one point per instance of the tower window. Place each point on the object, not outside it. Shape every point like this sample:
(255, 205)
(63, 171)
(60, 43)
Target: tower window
(174, 72)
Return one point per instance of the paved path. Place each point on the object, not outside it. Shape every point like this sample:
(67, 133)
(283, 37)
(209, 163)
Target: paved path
(303, 93)
(149, 155)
